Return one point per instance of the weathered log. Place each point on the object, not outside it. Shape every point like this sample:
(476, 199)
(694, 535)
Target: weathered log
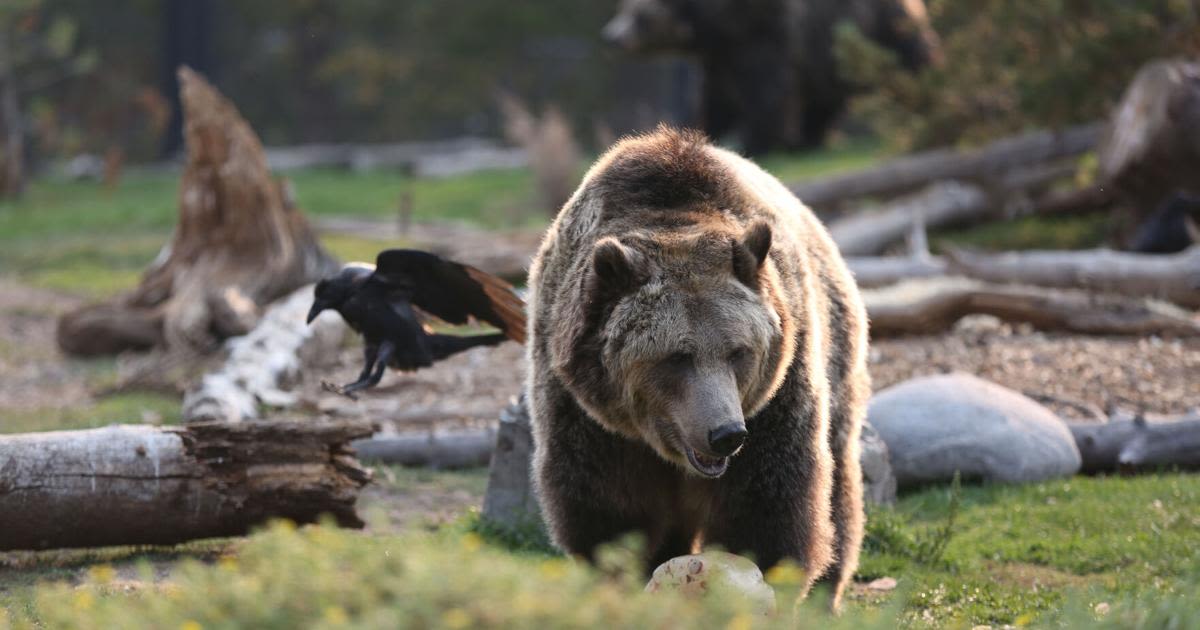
(261, 362)
(131, 485)
(240, 244)
(913, 171)
(877, 271)
(1151, 147)
(1174, 278)
(441, 449)
(1126, 445)
(943, 203)
(934, 305)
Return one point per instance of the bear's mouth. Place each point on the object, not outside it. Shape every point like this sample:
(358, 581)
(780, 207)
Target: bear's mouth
(711, 467)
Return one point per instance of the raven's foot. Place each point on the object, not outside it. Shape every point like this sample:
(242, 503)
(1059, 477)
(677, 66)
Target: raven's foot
(338, 389)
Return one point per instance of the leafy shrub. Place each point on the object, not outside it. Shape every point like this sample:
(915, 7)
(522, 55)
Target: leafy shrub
(1009, 66)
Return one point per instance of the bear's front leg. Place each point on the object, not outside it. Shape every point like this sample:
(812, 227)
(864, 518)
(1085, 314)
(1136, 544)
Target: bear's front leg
(774, 501)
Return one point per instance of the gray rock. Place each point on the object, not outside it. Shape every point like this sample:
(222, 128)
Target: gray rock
(879, 483)
(936, 425)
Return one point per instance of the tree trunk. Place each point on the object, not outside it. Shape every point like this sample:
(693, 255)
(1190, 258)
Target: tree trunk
(933, 306)
(12, 158)
(987, 163)
(1152, 145)
(1126, 445)
(438, 449)
(139, 485)
(239, 245)
(1174, 278)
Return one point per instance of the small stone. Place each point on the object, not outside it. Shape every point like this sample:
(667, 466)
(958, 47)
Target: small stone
(698, 575)
(882, 584)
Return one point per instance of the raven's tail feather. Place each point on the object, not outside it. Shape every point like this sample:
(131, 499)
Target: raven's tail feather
(442, 346)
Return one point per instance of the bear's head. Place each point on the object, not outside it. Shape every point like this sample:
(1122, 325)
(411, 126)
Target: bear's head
(683, 340)
(651, 26)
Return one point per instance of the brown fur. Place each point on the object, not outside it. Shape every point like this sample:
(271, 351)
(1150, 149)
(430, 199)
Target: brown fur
(681, 287)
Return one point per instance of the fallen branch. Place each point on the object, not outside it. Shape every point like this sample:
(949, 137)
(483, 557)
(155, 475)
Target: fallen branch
(943, 203)
(442, 450)
(913, 171)
(1126, 445)
(877, 271)
(934, 305)
(1174, 278)
(134, 485)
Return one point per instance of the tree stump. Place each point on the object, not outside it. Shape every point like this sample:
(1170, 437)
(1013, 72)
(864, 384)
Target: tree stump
(240, 243)
(133, 485)
(510, 501)
(1152, 145)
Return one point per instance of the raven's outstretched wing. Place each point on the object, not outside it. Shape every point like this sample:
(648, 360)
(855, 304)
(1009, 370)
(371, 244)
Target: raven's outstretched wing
(453, 291)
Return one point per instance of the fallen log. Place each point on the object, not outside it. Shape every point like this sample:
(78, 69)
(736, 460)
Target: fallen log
(448, 449)
(934, 305)
(1174, 278)
(1151, 147)
(240, 243)
(1129, 445)
(877, 271)
(913, 171)
(134, 485)
(262, 361)
(943, 203)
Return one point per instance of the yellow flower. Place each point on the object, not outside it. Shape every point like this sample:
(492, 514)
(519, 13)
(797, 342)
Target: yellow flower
(84, 600)
(456, 618)
(553, 569)
(191, 624)
(740, 621)
(472, 542)
(228, 563)
(785, 574)
(102, 573)
(336, 615)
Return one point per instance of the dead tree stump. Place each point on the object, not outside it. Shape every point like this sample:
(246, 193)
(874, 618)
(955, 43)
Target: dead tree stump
(240, 243)
(1152, 145)
(133, 485)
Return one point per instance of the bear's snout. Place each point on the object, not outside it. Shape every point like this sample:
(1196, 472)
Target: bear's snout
(726, 439)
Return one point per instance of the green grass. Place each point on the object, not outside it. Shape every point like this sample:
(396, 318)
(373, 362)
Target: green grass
(1033, 232)
(1041, 554)
(125, 408)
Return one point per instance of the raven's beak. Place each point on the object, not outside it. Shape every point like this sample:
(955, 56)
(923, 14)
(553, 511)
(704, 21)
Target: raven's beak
(316, 309)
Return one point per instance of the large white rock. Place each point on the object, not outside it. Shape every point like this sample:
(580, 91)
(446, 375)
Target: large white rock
(936, 425)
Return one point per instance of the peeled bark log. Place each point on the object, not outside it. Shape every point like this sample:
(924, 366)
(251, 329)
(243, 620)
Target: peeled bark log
(1152, 145)
(263, 360)
(932, 306)
(987, 163)
(1125, 445)
(134, 485)
(240, 244)
(1174, 278)
(940, 204)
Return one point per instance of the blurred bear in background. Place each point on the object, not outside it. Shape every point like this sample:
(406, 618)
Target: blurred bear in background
(770, 74)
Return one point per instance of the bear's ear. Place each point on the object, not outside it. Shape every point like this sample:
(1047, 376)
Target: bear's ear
(750, 254)
(616, 269)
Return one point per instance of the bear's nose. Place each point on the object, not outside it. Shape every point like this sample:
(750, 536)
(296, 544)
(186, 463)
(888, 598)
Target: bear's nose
(727, 438)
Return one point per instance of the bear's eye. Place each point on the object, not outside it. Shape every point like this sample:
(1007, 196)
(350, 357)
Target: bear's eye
(739, 355)
(678, 360)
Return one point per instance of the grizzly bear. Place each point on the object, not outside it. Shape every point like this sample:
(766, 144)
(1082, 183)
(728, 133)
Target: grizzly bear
(769, 73)
(697, 370)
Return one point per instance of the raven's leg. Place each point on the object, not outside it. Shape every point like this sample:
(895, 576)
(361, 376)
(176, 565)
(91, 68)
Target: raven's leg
(442, 346)
(371, 377)
(370, 352)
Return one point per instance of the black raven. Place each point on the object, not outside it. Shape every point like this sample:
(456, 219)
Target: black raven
(1173, 227)
(378, 301)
